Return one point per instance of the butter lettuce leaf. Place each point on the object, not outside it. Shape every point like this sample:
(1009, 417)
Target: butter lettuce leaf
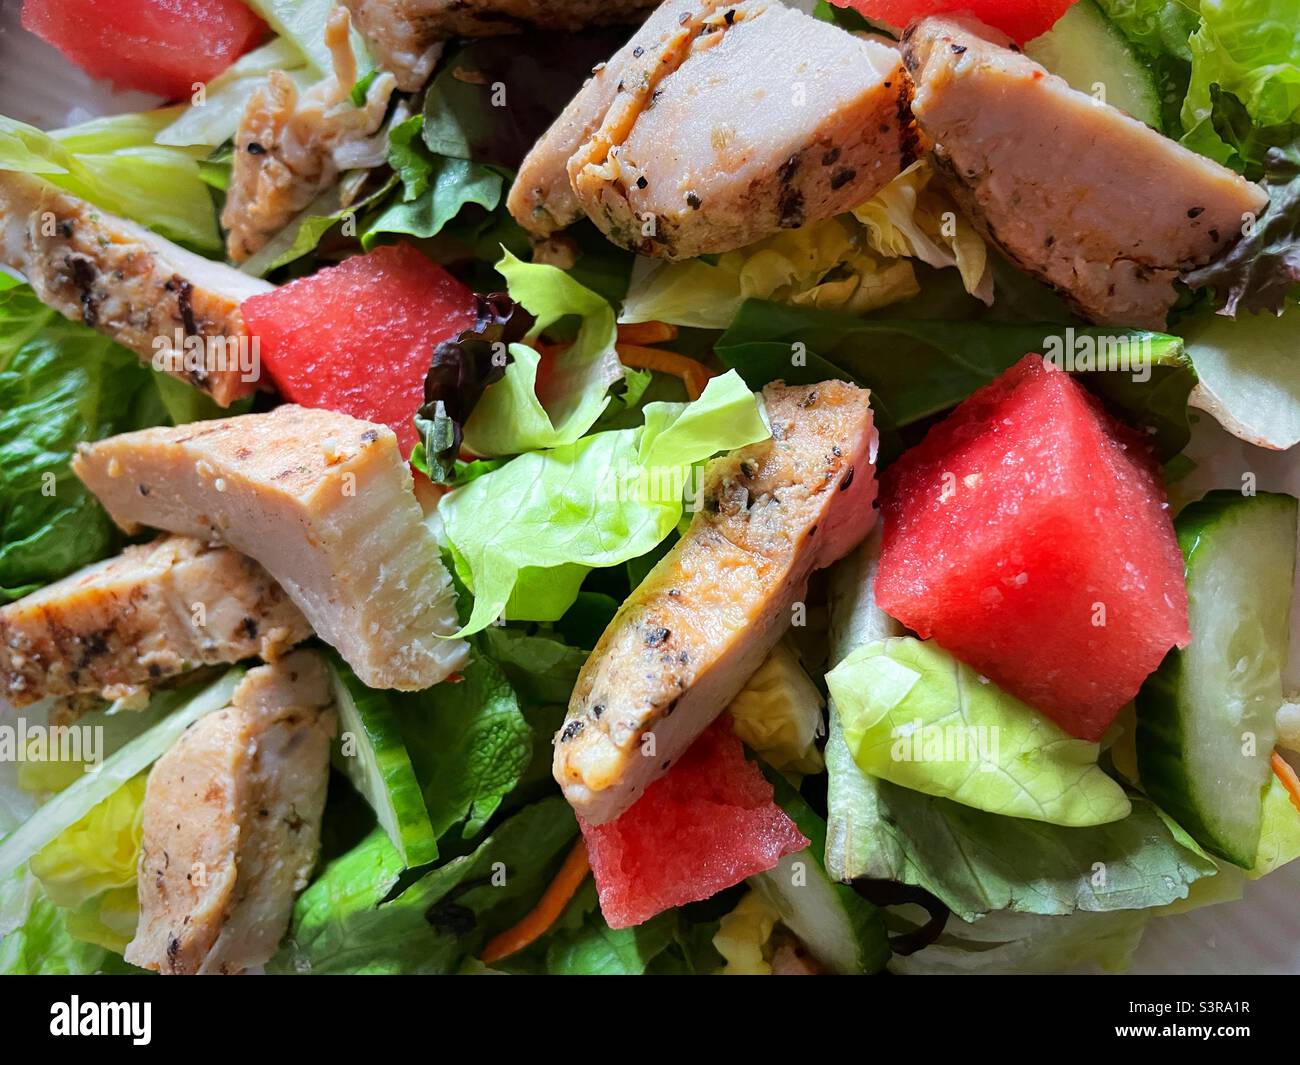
(915, 715)
(525, 412)
(61, 383)
(1248, 48)
(546, 517)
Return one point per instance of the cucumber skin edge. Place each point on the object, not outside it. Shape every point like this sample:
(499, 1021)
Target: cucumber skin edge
(1159, 729)
(1161, 768)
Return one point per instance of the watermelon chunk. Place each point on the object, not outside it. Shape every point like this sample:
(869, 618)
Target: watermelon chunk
(158, 46)
(706, 824)
(1029, 534)
(358, 338)
(1021, 20)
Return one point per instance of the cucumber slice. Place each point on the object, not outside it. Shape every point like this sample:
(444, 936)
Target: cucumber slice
(839, 927)
(1088, 50)
(372, 755)
(1206, 718)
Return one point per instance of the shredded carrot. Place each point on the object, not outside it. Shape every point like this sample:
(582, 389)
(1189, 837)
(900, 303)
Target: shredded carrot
(1288, 777)
(547, 911)
(646, 333)
(695, 375)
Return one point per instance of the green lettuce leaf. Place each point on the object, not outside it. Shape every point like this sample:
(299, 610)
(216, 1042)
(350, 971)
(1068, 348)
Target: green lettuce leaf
(545, 517)
(434, 187)
(302, 23)
(214, 120)
(913, 714)
(977, 862)
(1279, 837)
(345, 921)
(61, 383)
(183, 706)
(519, 413)
(918, 368)
(1250, 49)
(115, 164)
(1021, 943)
(1157, 26)
(42, 945)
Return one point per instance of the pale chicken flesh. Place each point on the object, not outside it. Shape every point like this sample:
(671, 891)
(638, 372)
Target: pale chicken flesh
(721, 125)
(707, 615)
(1078, 193)
(232, 817)
(154, 611)
(406, 36)
(324, 502)
(291, 146)
(171, 307)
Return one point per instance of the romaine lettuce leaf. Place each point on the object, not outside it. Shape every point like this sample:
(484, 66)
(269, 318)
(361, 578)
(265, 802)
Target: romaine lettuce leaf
(185, 706)
(115, 164)
(42, 944)
(214, 120)
(97, 853)
(61, 384)
(913, 714)
(546, 516)
(302, 23)
(825, 265)
(778, 713)
(525, 412)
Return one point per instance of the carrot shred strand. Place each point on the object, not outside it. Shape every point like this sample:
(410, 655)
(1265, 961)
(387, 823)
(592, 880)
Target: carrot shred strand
(694, 374)
(1288, 777)
(646, 333)
(547, 911)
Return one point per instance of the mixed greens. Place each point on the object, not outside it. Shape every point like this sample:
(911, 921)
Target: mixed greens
(548, 430)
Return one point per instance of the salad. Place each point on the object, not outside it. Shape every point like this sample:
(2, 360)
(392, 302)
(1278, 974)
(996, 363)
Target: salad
(615, 488)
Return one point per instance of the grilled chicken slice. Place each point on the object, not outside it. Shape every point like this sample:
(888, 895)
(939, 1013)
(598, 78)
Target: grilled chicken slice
(741, 120)
(130, 284)
(707, 615)
(232, 817)
(324, 502)
(152, 612)
(291, 146)
(406, 35)
(1078, 193)
(541, 198)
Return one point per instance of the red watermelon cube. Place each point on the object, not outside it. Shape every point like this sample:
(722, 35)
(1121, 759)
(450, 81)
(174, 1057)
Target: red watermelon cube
(1021, 20)
(359, 337)
(1029, 534)
(706, 824)
(158, 46)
